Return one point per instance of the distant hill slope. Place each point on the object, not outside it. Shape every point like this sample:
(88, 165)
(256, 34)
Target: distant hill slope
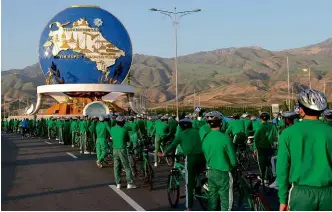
(248, 75)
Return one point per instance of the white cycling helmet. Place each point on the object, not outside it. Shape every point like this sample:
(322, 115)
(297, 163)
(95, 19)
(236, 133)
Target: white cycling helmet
(312, 99)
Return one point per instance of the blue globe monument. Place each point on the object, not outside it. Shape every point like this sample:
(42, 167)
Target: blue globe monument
(84, 51)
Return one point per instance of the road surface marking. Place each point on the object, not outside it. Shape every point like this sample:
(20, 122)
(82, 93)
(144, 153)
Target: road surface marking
(129, 200)
(48, 142)
(68, 153)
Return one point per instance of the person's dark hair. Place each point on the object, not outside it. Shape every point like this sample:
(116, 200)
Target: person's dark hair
(120, 123)
(214, 123)
(309, 112)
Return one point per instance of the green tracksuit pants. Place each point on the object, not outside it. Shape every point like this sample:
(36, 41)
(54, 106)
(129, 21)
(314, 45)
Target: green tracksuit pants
(73, 138)
(157, 141)
(220, 188)
(60, 134)
(120, 158)
(101, 149)
(83, 138)
(307, 198)
(264, 161)
(194, 165)
(66, 137)
(49, 132)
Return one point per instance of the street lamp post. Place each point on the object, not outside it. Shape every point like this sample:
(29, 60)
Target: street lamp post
(288, 82)
(325, 86)
(175, 16)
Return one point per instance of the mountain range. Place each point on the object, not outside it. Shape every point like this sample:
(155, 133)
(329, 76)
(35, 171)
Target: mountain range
(230, 76)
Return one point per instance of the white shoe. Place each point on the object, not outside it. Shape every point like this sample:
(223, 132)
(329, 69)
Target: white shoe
(86, 152)
(205, 186)
(56, 139)
(118, 186)
(72, 146)
(155, 164)
(131, 186)
(49, 138)
(93, 153)
(274, 184)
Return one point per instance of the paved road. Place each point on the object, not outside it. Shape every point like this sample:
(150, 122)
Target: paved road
(39, 174)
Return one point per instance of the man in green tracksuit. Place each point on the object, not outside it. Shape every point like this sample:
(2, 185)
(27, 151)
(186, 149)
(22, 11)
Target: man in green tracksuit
(100, 130)
(221, 160)
(256, 124)
(121, 140)
(247, 124)
(83, 128)
(73, 132)
(237, 131)
(172, 127)
(162, 130)
(304, 158)
(66, 131)
(191, 146)
(92, 133)
(288, 120)
(263, 142)
(49, 124)
(150, 126)
(59, 125)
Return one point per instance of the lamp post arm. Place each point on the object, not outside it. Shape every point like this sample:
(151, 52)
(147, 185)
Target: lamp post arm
(167, 14)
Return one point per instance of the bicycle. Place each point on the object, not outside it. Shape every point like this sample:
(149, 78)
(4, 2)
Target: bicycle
(247, 189)
(173, 191)
(147, 174)
(250, 144)
(243, 157)
(168, 159)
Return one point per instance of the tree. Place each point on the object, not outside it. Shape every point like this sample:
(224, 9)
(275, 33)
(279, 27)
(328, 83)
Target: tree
(284, 107)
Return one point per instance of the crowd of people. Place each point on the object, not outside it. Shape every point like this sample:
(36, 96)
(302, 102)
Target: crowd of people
(298, 146)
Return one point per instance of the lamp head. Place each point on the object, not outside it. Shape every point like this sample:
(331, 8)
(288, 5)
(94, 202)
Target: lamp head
(197, 10)
(153, 9)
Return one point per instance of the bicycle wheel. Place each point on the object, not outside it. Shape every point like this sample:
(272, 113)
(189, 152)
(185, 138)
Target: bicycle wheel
(173, 189)
(203, 192)
(169, 161)
(149, 175)
(245, 160)
(238, 195)
(260, 204)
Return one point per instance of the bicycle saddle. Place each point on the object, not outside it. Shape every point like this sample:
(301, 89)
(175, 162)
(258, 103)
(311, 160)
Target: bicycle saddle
(251, 175)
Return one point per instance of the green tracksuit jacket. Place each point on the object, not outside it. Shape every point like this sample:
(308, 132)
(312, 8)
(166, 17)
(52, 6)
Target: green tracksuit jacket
(120, 137)
(219, 151)
(100, 130)
(189, 141)
(304, 156)
(162, 129)
(172, 124)
(265, 136)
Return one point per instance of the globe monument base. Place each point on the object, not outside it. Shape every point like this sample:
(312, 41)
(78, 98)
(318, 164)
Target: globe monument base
(96, 92)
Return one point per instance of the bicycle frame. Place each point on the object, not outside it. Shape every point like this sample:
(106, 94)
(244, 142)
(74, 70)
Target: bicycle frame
(179, 168)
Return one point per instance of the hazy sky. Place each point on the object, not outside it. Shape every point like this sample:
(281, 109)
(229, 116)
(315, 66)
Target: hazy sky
(271, 24)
